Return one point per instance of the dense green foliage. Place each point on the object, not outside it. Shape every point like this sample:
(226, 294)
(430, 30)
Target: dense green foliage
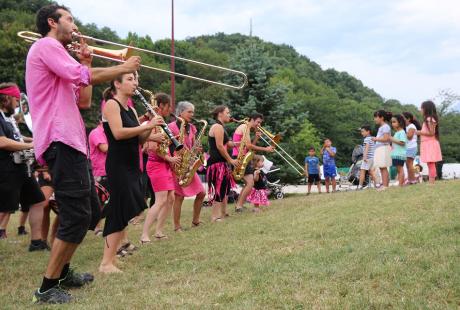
(298, 98)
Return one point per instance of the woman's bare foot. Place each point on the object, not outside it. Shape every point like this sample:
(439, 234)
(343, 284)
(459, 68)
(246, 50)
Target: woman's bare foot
(216, 220)
(109, 269)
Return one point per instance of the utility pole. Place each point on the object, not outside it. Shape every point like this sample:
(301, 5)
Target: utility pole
(173, 78)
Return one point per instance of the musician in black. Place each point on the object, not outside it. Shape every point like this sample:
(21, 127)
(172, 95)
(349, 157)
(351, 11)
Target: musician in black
(17, 186)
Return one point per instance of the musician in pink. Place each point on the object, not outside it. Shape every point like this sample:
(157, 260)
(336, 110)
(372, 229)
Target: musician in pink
(98, 147)
(162, 178)
(186, 110)
(57, 87)
(255, 121)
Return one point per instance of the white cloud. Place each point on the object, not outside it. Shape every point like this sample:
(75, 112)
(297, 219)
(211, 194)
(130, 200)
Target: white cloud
(426, 14)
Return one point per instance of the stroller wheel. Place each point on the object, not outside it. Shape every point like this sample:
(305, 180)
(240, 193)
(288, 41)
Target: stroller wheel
(279, 195)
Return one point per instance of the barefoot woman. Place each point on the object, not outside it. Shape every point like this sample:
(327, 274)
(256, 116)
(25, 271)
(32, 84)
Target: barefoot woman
(124, 135)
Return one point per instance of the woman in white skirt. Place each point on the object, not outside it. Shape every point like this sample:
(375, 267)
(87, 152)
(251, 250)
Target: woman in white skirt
(382, 155)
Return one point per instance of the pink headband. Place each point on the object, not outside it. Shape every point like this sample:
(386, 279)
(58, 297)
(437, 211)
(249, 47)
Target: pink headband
(12, 91)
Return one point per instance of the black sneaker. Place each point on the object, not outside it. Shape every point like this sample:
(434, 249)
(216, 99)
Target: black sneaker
(22, 231)
(75, 279)
(41, 246)
(54, 295)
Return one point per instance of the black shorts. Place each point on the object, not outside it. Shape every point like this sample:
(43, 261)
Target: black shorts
(313, 178)
(71, 181)
(398, 162)
(16, 187)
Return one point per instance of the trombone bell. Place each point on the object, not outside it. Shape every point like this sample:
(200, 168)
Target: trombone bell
(274, 138)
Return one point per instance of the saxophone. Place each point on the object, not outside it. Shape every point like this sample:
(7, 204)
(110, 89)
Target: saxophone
(183, 153)
(244, 159)
(193, 159)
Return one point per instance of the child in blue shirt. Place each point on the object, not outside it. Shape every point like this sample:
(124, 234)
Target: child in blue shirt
(312, 170)
(330, 170)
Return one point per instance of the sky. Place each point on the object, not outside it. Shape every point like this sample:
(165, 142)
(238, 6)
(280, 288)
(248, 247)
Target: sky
(404, 49)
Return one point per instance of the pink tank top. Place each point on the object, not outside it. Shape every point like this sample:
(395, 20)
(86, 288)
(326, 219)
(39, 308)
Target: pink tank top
(237, 137)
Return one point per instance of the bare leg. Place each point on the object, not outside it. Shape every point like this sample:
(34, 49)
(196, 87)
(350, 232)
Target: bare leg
(177, 208)
(153, 213)
(334, 184)
(61, 254)
(410, 169)
(47, 191)
(224, 207)
(197, 204)
(2, 215)
(46, 223)
(124, 238)
(164, 214)
(401, 175)
(248, 185)
(373, 177)
(216, 211)
(111, 246)
(36, 220)
(362, 176)
(23, 218)
(5, 220)
(319, 186)
(308, 188)
(385, 177)
(54, 230)
(326, 181)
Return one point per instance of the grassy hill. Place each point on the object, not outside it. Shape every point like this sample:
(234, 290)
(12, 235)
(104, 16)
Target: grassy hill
(390, 250)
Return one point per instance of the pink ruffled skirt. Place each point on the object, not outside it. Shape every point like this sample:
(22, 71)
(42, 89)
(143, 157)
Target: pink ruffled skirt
(258, 197)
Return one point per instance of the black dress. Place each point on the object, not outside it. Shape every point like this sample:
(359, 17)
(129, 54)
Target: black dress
(124, 176)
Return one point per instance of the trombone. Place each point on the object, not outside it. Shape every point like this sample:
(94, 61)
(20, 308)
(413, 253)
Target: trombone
(274, 140)
(126, 52)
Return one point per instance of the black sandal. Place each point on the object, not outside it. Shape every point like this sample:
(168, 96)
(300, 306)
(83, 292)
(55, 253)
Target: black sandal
(129, 247)
(196, 224)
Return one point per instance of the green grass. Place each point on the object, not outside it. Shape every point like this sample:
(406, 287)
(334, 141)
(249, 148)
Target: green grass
(390, 250)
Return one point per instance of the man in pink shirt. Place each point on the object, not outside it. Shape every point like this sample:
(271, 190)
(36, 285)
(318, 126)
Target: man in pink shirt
(98, 147)
(57, 87)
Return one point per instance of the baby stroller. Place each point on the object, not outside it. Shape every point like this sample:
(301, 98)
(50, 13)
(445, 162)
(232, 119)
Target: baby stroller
(274, 188)
(352, 177)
